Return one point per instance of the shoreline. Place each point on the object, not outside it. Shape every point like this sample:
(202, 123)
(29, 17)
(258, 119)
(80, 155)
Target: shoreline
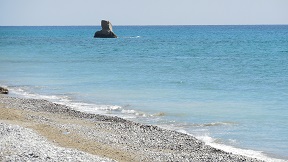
(106, 136)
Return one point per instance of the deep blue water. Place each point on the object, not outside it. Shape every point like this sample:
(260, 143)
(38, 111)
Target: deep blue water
(226, 85)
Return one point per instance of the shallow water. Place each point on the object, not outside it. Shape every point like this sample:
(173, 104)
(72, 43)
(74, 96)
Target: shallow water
(227, 85)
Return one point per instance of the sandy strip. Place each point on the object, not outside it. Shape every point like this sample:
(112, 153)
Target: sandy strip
(22, 144)
(52, 130)
(104, 136)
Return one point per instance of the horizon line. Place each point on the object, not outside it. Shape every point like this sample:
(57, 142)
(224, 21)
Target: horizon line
(149, 25)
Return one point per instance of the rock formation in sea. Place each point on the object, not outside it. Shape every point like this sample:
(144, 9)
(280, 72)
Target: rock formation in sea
(106, 31)
(3, 90)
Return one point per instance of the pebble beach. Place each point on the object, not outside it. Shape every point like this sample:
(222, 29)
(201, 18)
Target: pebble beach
(39, 130)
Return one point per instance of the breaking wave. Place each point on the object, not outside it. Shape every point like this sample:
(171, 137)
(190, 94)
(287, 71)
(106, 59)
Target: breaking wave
(122, 111)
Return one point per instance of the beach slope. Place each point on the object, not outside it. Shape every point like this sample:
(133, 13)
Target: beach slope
(81, 136)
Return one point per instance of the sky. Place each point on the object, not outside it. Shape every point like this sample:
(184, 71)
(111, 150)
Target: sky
(142, 12)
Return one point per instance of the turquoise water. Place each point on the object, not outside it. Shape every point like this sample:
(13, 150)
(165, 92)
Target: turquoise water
(226, 85)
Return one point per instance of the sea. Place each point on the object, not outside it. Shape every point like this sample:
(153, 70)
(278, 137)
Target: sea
(225, 85)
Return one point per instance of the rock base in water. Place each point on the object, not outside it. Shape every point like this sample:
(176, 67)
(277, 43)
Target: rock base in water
(105, 34)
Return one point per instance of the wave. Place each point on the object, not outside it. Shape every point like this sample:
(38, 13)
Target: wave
(199, 125)
(245, 152)
(213, 124)
(202, 134)
(122, 111)
(23, 91)
(133, 37)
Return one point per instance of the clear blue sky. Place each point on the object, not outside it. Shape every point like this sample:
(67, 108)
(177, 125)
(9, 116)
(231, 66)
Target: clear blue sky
(143, 12)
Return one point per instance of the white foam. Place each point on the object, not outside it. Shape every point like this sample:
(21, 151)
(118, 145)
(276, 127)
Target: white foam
(133, 37)
(80, 106)
(91, 108)
(26, 94)
(245, 152)
(65, 100)
(128, 111)
(134, 112)
(214, 124)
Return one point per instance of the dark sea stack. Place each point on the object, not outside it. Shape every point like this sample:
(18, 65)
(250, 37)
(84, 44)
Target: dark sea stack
(106, 31)
(3, 90)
